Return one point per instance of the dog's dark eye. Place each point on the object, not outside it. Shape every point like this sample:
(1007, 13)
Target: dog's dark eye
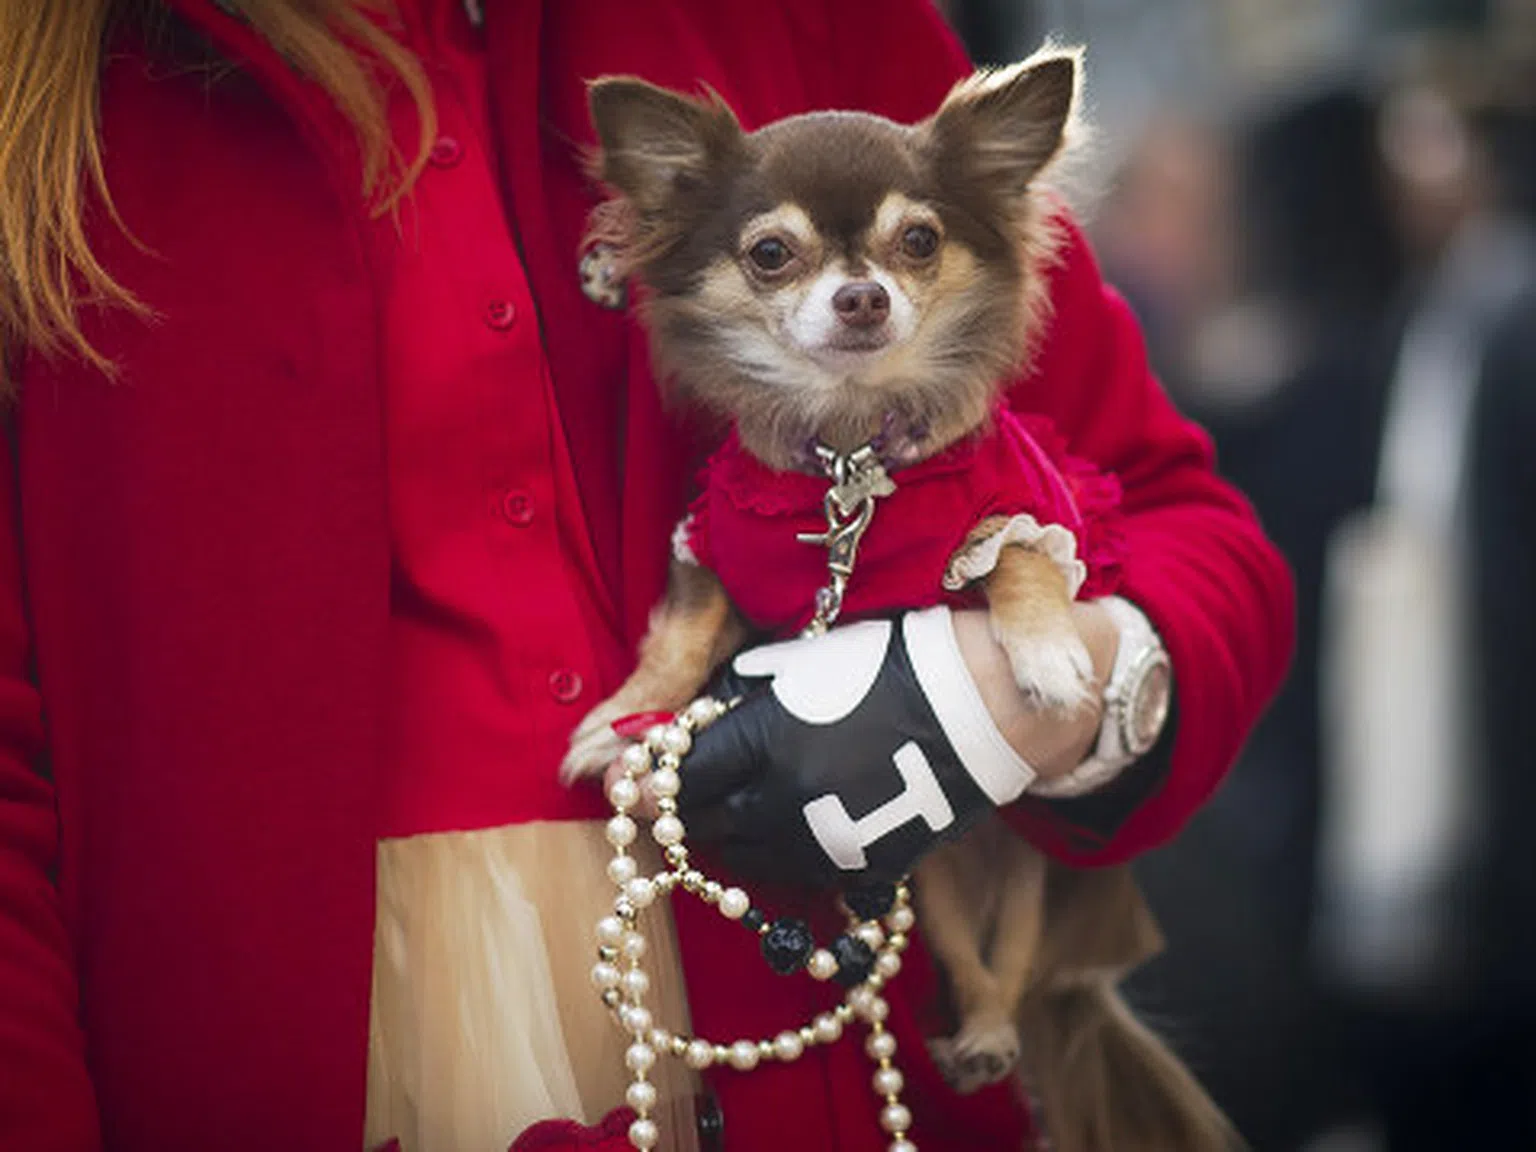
(919, 242)
(770, 255)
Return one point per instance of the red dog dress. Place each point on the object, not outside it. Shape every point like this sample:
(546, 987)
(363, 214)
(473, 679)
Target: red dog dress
(745, 525)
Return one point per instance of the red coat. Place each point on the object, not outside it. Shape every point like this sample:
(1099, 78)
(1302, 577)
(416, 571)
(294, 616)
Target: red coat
(746, 524)
(194, 569)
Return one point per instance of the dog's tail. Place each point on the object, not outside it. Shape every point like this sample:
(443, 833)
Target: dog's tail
(1102, 1080)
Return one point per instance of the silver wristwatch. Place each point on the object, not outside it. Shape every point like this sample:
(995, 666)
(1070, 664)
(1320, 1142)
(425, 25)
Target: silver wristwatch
(1136, 703)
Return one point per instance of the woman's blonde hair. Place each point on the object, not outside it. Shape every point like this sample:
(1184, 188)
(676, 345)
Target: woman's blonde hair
(50, 149)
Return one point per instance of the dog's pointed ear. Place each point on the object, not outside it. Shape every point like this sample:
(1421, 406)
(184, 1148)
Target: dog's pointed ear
(655, 142)
(1003, 127)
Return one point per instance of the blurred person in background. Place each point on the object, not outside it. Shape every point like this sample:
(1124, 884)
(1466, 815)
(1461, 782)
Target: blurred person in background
(1260, 259)
(1166, 229)
(1427, 875)
(1501, 1053)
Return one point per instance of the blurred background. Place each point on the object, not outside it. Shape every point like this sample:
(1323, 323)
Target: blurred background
(1322, 212)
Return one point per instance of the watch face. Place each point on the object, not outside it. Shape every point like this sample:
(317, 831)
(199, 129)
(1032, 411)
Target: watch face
(1147, 709)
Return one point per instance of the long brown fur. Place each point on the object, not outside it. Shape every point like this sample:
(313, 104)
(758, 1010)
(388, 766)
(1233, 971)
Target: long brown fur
(1033, 950)
(1104, 1081)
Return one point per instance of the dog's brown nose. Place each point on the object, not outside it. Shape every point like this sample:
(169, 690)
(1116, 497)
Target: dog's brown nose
(861, 304)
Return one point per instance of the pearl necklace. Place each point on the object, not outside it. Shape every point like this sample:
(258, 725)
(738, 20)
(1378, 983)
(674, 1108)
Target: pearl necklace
(863, 960)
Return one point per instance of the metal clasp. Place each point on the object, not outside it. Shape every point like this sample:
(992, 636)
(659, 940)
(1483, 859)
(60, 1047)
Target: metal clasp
(858, 480)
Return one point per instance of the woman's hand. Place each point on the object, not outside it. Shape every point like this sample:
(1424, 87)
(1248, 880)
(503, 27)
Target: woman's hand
(1053, 743)
(849, 756)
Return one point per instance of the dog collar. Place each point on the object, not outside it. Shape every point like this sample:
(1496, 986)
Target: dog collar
(899, 443)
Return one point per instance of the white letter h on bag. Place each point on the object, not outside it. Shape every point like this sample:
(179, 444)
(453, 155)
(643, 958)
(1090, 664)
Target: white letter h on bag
(844, 839)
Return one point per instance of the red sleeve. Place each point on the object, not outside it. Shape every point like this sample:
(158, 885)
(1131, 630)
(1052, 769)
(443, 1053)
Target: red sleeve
(46, 1100)
(1195, 561)
(896, 58)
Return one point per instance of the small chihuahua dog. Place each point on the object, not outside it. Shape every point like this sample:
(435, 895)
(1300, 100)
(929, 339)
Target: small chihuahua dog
(806, 281)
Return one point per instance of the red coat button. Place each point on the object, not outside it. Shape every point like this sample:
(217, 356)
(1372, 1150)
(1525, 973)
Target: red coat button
(565, 685)
(500, 315)
(517, 507)
(445, 152)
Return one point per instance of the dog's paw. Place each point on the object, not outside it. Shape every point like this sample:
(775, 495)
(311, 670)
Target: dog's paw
(1053, 669)
(591, 757)
(594, 745)
(985, 1051)
(941, 1050)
